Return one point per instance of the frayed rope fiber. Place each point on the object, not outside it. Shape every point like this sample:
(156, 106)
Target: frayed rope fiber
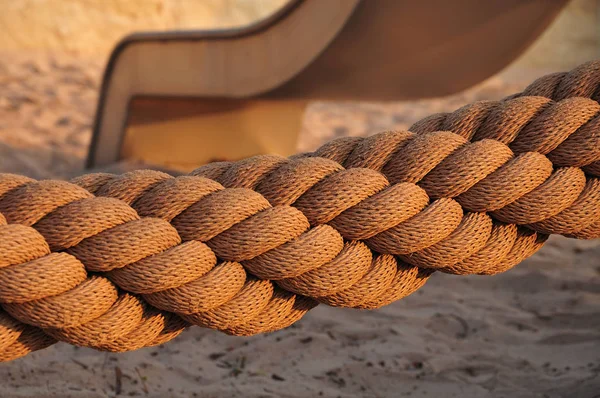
(120, 262)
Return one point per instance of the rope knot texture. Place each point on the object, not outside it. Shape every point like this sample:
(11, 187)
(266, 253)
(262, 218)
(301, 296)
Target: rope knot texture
(120, 262)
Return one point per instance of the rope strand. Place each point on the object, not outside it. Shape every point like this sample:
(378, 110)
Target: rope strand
(121, 262)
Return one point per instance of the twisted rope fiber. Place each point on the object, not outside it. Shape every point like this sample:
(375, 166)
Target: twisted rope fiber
(121, 262)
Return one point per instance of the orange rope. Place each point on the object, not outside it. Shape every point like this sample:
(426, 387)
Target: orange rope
(122, 262)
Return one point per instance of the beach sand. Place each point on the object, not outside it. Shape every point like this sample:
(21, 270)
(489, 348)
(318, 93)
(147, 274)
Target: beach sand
(532, 331)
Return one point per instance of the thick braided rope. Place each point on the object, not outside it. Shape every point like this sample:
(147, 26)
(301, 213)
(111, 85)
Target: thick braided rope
(121, 262)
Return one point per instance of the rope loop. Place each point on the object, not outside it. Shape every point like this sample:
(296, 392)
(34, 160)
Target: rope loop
(120, 262)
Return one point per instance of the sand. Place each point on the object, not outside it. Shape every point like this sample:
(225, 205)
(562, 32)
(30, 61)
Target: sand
(533, 331)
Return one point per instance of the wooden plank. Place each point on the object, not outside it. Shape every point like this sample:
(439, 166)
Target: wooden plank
(385, 50)
(183, 134)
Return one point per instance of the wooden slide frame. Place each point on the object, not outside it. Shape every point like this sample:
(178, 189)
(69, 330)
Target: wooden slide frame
(180, 99)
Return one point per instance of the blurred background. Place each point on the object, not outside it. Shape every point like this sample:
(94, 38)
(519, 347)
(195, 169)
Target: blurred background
(52, 54)
(533, 328)
(93, 27)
